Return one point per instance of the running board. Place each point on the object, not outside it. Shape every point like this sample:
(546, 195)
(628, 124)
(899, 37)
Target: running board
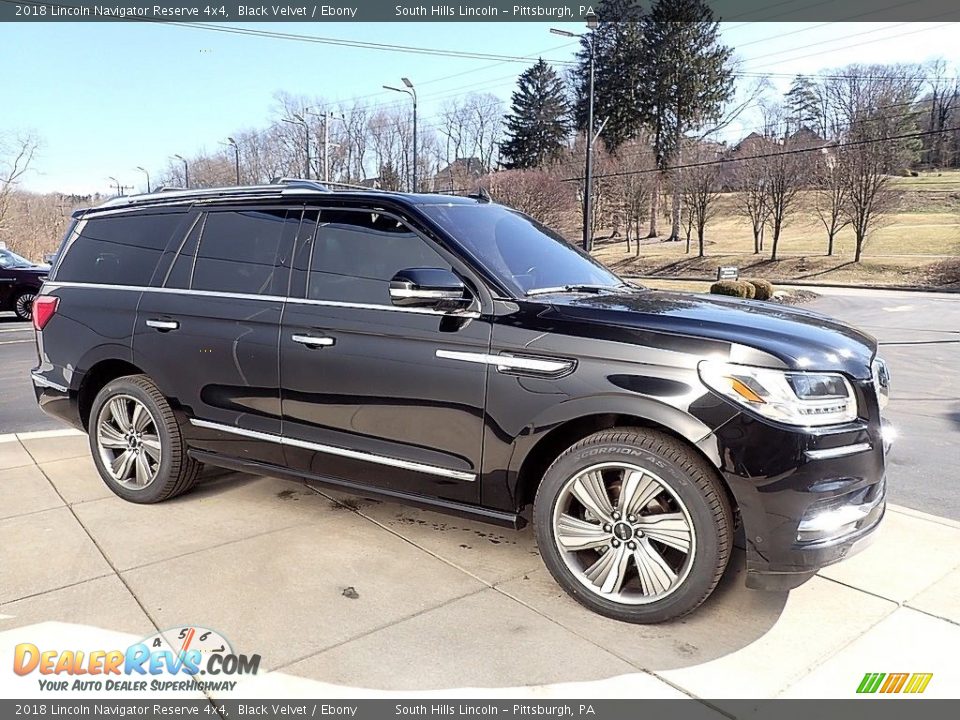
(450, 507)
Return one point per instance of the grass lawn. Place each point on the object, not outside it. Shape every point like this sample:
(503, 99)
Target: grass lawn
(918, 244)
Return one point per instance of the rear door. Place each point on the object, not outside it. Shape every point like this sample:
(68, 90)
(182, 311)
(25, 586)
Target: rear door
(365, 396)
(208, 332)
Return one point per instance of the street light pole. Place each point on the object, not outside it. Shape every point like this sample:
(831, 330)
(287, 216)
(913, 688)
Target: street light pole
(410, 90)
(186, 171)
(144, 171)
(588, 169)
(298, 120)
(236, 155)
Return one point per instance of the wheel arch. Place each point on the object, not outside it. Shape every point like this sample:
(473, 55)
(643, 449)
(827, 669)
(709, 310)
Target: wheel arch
(568, 423)
(101, 372)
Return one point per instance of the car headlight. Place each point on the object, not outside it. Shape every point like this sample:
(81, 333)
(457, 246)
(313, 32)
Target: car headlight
(793, 397)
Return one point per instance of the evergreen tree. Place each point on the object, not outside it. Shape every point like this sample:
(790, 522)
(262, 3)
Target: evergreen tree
(686, 78)
(801, 103)
(538, 122)
(617, 73)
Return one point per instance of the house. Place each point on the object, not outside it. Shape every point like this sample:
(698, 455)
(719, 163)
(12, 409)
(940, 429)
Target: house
(461, 174)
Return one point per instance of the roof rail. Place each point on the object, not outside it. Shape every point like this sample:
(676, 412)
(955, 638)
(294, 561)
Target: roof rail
(355, 186)
(299, 182)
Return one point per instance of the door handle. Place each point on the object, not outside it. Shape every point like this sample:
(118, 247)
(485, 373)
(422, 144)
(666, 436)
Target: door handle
(312, 341)
(163, 325)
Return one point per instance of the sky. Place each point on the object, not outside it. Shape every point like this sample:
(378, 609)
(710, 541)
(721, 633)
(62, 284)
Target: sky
(107, 97)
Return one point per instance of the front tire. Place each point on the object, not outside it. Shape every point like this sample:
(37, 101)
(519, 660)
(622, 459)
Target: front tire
(136, 442)
(634, 525)
(23, 305)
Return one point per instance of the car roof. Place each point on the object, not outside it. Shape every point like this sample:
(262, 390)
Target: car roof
(284, 188)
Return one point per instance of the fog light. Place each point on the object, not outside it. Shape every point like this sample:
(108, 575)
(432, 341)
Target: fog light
(833, 522)
(889, 433)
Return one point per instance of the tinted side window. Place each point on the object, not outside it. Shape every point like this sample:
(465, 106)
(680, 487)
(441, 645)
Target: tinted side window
(355, 254)
(118, 249)
(238, 251)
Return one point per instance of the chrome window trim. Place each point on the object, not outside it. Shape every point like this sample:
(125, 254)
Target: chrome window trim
(274, 298)
(508, 362)
(843, 451)
(342, 452)
(389, 308)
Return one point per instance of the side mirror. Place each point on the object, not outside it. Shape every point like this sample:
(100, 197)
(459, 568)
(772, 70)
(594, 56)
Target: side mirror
(429, 288)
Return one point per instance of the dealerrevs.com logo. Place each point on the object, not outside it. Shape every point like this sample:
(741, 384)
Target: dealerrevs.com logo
(185, 658)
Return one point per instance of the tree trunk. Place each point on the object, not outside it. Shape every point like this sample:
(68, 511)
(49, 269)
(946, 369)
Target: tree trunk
(859, 252)
(776, 242)
(756, 240)
(763, 229)
(675, 208)
(700, 239)
(654, 207)
(830, 237)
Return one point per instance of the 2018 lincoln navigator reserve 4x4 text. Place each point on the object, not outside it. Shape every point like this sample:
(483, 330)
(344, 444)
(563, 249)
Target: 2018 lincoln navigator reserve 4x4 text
(455, 354)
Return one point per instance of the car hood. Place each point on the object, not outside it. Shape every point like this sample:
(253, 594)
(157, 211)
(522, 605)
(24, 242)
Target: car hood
(33, 270)
(801, 339)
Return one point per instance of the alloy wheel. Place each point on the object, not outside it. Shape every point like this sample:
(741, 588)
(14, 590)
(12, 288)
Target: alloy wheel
(24, 306)
(624, 533)
(128, 442)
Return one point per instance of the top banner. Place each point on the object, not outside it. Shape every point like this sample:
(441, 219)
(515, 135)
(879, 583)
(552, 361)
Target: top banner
(487, 11)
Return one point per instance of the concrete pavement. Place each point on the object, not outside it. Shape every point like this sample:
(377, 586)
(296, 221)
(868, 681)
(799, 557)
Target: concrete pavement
(345, 595)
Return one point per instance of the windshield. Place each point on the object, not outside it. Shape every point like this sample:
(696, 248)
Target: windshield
(10, 259)
(519, 251)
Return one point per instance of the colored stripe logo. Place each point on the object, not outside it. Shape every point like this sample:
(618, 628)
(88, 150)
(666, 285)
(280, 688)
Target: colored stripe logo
(913, 683)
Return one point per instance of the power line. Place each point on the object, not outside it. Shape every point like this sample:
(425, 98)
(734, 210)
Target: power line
(760, 156)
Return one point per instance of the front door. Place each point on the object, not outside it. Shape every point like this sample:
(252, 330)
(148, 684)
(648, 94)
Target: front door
(365, 395)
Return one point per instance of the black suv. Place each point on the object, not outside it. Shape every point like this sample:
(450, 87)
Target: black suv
(455, 354)
(20, 281)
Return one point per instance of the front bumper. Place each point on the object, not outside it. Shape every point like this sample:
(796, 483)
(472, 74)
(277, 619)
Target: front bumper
(806, 499)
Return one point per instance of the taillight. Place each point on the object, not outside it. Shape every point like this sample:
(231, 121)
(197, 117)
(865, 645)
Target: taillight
(44, 306)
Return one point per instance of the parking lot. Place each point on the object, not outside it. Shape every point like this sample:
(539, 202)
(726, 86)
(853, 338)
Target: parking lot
(337, 592)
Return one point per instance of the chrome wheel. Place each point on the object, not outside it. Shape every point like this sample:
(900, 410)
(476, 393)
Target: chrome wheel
(128, 442)
(24, 306)
(624, 533)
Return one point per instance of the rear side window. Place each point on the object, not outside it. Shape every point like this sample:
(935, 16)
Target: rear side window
(118, 249)
(355, 254)
(238, 251)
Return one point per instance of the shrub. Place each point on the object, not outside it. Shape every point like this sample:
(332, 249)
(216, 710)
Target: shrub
(734, 288)
(763, 289)
(749, 291)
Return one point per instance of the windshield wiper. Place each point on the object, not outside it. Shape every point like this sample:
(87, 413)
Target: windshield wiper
(595, 289)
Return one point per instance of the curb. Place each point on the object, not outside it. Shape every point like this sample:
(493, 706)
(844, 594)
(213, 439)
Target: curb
(800, 283)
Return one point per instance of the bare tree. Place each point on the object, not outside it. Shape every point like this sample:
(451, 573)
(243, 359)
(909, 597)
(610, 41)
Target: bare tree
(636, 170)
(16, 155)
(830, 194)
(875, 142)
(700, 188)
(539, 193)
(787, 172)
(748, 179)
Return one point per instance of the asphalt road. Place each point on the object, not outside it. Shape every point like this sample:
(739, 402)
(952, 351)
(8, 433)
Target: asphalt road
(18, 408)
(919, 335)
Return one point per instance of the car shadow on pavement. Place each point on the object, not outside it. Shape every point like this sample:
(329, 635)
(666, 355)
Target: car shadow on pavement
(482, 637)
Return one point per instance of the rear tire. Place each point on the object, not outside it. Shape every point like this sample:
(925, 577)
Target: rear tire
(634, 525)
(136, 442)
(23, 305)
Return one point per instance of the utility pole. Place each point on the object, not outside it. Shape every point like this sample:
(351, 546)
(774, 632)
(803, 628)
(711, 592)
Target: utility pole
(588, 169)
(119, 186)
(326, 117)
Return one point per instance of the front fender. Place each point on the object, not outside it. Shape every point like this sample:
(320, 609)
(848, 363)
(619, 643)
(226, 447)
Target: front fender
(653, 411)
